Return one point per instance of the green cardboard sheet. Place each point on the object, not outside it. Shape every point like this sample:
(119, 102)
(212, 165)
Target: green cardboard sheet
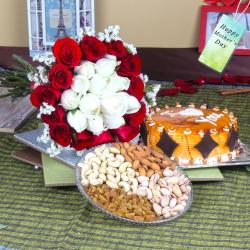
(57, 174)
(205, 174)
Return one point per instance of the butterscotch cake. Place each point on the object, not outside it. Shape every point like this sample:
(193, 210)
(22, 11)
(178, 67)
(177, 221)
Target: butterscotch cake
(192, 135)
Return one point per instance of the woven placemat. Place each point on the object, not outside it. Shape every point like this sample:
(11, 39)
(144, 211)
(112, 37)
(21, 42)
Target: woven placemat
(44, 218)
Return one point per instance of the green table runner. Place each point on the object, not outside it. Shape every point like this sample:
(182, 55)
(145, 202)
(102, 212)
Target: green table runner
(49, 218)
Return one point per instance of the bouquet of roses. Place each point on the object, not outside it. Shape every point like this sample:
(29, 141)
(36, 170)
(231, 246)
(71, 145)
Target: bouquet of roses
(90, 91)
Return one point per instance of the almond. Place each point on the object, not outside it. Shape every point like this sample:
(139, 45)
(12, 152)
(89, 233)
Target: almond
(146, 162)
(127, 158)
(131, 148)
(131, 155)
(138, 154)
(158, 155)
(153, 159)
(123, 151)
(126, 145)
(150, 172)
(139, 148)
(162, 165)
(159, 172)
(155, 166)
(142, 171)
(136, 164)
(145, 167)
(173, 166)
(166, 162)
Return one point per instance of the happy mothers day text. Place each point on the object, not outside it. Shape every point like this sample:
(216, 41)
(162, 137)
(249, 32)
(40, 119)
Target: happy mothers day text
(226, 36)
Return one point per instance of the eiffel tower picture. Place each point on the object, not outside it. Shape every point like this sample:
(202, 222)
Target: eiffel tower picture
(61, 28)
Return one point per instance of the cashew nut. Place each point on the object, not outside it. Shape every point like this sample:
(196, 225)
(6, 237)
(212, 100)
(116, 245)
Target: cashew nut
(124, 185)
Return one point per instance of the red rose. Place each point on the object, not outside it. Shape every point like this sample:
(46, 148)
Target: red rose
(105, 137)
(67, 52)
(136, 88)
(44, 93)
(61, 134)
(87, 139)
(137, 118)
(126, 133)
(116, 48)
(83, 140)
(60, 77)
(56, 117)
(130, 66)
(92, 48)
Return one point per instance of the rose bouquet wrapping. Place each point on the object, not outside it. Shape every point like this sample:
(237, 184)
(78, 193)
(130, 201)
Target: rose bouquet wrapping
(90, 91)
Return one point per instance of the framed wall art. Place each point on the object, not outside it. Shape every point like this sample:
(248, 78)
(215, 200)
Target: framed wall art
(49, 20)
(210, 16)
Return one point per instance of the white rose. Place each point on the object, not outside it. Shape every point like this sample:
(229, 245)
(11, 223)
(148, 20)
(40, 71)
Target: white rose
(95, 124)
(97, 84)
(117, 83)
(80, 84)
(77, 120)
(114, 104)
(70, 99)
(105, 66)
(90, 105)
(86, 68)
(113, 122)
(133, 103)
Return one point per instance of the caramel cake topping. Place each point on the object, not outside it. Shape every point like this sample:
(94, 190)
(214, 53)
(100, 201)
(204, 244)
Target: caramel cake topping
(194, 134)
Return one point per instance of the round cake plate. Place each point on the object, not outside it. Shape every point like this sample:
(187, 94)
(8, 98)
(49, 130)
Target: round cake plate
(102, 209)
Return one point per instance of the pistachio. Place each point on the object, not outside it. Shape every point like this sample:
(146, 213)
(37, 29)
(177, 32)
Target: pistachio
(142, 179)
(165, 210)
(168, 172)
(157, 208)
(172, 202)
(173, 180)
(165, 192)
(164, 201)
(166, 215)
(177, 191)
(142, 191)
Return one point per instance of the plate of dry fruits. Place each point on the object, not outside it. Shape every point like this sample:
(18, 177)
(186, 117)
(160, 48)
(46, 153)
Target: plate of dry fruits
(133, 183)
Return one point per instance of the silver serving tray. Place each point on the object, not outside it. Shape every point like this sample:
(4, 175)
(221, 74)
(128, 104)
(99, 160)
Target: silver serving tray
(241, 160)
(98, 206)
